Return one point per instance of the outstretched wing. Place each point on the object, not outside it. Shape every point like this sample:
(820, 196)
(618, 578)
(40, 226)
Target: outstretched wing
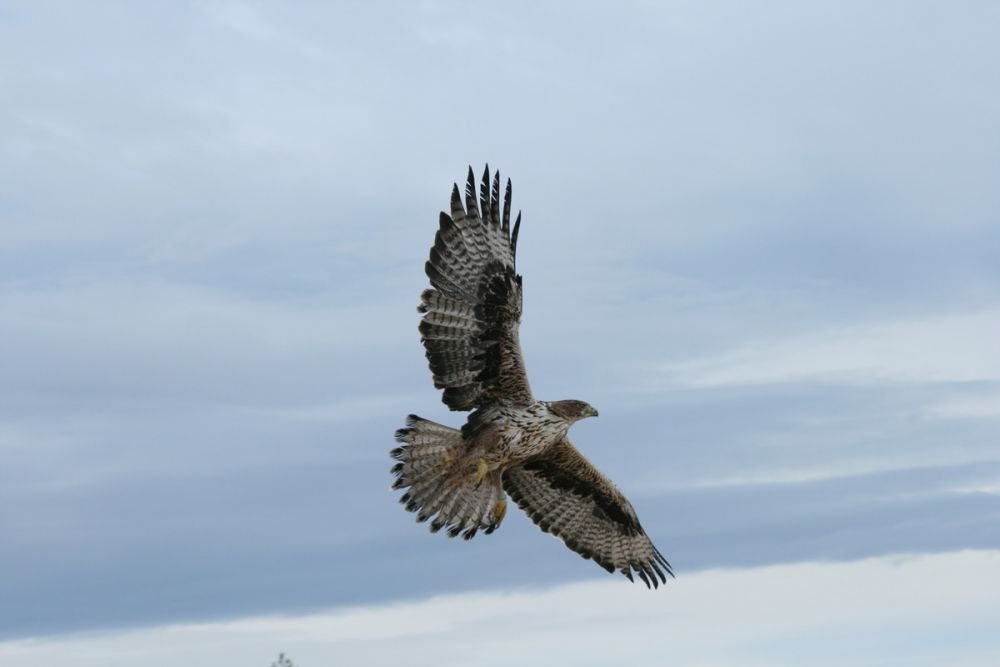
(567, 496)
(471, 315)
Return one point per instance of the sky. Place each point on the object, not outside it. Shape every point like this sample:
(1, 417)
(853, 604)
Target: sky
(763, 239)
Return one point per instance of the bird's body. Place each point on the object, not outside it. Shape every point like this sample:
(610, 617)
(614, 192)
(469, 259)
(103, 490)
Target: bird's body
(512, 444)
(508, 434)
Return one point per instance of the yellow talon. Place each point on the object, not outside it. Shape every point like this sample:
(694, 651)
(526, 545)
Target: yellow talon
(500, 511)
(481, 470)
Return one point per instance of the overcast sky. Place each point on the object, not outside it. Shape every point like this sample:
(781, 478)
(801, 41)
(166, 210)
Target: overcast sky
(762, 238)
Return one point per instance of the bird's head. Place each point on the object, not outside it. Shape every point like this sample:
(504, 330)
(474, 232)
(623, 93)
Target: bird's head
(572, 410)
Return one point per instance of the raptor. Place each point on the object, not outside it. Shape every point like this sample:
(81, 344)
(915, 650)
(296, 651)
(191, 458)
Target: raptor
(512, 443)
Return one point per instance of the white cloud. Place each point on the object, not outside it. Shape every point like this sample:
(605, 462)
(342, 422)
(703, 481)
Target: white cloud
(992, 488)
(956, 348)
(891, 610)
(357, 407)
(962, 407)
(818, 473)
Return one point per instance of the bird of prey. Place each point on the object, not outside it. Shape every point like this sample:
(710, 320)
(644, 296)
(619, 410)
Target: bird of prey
(512, 443)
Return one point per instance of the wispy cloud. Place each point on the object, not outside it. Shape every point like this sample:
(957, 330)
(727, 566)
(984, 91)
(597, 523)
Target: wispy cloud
(949, 348)
(919, 610)
(983, 404)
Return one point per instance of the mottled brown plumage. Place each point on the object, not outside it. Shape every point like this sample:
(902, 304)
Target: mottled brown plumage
(511, 444)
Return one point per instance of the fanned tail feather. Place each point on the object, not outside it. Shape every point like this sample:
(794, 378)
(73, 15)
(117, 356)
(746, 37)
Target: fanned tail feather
(439, 479)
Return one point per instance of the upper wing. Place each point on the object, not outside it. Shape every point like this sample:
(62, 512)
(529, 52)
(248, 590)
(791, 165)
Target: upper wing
(471, 315)
(567, 496)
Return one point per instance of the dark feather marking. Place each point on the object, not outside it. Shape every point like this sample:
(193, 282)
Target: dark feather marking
(471, 206)
(457, 212)
(477, 423)
(485, 203)
(495, 203)
(505, 225)
(513, 238)
(559, 478)
(438, 278)
(663, 561)
(649, 573)
(656, 567)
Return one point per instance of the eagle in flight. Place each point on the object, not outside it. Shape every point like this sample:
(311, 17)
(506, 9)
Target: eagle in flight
(512, 443)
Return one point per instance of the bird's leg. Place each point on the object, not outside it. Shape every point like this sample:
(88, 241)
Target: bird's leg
(500, 511)
(481, 470)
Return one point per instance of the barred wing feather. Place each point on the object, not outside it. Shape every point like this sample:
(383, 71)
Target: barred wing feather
(564, 494)
(472, 312)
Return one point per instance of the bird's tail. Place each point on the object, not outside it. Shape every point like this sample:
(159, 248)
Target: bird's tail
(445, 481)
